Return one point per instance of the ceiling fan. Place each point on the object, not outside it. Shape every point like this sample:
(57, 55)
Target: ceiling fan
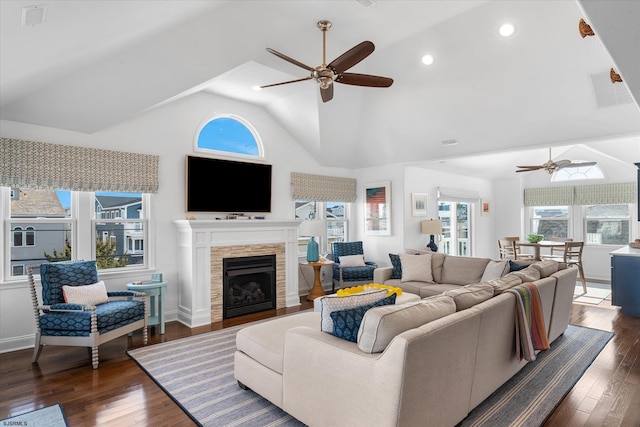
(550, 166)
(327, 74)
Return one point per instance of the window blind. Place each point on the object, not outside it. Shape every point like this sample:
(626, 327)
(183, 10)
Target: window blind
(323, 188)
(549, 196)
(41, 165)
(606, 194)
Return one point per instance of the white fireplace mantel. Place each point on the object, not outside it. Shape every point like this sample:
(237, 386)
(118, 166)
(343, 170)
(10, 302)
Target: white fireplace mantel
(195, 240)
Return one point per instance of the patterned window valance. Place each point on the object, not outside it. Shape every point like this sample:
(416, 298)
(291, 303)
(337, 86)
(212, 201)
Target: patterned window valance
(596, 194)
(323, 188)
(606, 194)
(548, 196)
(52, 166)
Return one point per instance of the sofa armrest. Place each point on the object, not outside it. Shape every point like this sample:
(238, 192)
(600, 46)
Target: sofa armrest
(329, 381)
(382, 274)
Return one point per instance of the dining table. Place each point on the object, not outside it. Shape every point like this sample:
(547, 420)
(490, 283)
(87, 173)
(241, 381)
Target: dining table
(541, 244)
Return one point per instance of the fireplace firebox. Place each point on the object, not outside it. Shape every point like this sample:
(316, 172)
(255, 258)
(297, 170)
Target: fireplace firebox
(249, 285)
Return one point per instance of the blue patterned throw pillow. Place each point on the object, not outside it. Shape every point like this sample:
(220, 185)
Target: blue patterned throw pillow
(397, 266)
(347, 322)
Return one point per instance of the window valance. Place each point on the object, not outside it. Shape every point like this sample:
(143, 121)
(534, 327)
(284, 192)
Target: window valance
(42, 165)
(323, 188)
(595, 194)
(457, 195)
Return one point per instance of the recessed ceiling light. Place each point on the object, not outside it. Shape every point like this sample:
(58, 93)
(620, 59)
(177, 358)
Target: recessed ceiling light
(427, 60)
(507, 30)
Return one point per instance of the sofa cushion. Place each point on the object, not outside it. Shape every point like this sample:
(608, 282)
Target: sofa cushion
(458, 270)
(347, 322)
(495, 270)
(352, 260)
(437, 261)
(546, 267)
(502, 284)
(93, 294)
(416, 268)
(381, 324)
(331, 303)
(470, 295)
(397, 266)
(528, 274)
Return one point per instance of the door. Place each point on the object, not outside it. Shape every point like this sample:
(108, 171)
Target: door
(456, 228)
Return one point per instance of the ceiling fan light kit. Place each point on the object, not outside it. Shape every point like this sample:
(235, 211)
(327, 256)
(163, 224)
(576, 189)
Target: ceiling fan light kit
(326, 74)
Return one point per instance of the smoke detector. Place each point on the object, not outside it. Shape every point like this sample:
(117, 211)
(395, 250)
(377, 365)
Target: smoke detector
(34, 15)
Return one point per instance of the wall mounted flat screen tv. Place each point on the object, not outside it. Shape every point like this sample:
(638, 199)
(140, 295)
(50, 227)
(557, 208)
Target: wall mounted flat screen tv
(216, 185)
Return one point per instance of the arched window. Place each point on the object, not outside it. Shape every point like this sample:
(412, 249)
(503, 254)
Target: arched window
(17, 236)
(229, 135)
(30, 236)
(575, 173)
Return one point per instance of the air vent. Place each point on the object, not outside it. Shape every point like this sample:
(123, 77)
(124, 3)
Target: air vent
(609, 94)
(449, 142)
(33, 15)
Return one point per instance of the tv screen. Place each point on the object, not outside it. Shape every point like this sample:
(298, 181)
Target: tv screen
(216, 185)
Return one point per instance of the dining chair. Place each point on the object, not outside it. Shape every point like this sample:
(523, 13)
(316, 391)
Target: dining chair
(572, 256)
(510, 250)
(558, 251)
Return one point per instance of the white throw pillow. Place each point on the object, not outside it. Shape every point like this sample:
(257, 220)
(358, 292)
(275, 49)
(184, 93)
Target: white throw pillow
(416, 268)
(86, 294)
(331, 303)
(352, 261)
(495, 270)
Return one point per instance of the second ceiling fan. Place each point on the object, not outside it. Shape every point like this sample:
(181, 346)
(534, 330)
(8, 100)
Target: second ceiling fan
(550, 166)
(326, 74)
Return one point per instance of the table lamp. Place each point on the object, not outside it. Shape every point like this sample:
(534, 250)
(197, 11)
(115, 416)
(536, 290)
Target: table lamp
(432, 227)
(312, 228)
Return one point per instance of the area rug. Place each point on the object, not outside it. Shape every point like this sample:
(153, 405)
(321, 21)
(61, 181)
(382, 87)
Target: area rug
(596, 293)
(197, 373)
(50, 416)
(530, 396)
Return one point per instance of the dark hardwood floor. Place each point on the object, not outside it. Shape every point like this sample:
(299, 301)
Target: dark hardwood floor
(119, 393)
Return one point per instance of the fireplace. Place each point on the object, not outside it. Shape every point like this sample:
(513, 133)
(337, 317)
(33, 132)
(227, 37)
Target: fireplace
(249, 285)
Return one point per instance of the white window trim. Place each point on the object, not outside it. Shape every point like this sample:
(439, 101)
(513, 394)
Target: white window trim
(261, 156)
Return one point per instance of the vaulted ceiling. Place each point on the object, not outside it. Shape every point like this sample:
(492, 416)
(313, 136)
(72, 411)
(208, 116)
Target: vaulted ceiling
(93, 64)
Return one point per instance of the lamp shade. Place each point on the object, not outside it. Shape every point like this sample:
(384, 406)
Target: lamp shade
(431, 226)
(312, 228)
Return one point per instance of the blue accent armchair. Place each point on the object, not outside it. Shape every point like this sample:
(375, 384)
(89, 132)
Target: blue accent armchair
(351, 276)
(60, 323)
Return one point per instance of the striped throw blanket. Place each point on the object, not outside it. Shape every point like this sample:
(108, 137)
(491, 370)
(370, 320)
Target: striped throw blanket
(530, 331)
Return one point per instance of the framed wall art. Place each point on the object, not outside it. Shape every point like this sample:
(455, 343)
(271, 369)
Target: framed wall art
(377, 209)
(485, 207)
(419, 204)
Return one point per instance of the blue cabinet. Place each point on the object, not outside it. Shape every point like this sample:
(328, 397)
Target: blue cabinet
(625, 280)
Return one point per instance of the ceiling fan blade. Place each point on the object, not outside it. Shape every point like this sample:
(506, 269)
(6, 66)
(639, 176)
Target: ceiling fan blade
(327, 94)
(530, 167)
(286, 58)
(351, 57)
(284, 83)
(577, 165)
(527, 170)
(364, 80)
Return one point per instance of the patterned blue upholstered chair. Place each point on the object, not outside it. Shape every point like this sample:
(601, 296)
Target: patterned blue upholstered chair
(76, 323)
(350, 276)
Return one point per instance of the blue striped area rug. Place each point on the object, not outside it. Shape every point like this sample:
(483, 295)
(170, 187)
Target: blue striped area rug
(197, 373)
(530, 396)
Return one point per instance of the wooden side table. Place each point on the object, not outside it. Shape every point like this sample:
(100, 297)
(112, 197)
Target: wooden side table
(317, 290)
(155, 291)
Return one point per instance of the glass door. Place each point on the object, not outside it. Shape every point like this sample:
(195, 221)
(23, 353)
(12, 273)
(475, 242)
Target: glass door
(456, 228)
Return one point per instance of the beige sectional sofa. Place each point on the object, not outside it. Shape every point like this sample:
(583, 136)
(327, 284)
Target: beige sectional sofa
(399, 373)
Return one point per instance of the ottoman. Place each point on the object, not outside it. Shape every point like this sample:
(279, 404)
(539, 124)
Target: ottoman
(259, 354)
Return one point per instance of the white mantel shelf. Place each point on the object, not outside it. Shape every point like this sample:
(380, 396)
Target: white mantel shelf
(195, 239)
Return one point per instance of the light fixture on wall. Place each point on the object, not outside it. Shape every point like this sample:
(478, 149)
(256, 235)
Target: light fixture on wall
(432, 227)
(312, 228)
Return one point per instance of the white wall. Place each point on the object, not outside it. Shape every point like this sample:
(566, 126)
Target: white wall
(169, 132)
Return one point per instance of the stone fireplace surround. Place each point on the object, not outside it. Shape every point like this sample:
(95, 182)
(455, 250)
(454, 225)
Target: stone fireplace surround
(202, 244)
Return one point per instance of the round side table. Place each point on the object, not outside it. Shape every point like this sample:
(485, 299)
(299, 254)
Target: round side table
(155, 291)
(317, 290)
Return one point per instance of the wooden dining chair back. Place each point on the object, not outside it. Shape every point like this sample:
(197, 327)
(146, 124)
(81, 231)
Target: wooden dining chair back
(557, 251)
(509, 246)
(573, 258)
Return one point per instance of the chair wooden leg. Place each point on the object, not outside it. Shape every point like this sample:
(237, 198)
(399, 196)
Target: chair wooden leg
(582, 279)
(94, 357)
(37, 349)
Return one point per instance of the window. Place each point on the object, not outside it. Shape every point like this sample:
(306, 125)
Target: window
(119, 230)
(575, 173)
(456, 228)
(336, 216)
(607, 224)
(229, 134)
(551, 221)
(41, 226)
